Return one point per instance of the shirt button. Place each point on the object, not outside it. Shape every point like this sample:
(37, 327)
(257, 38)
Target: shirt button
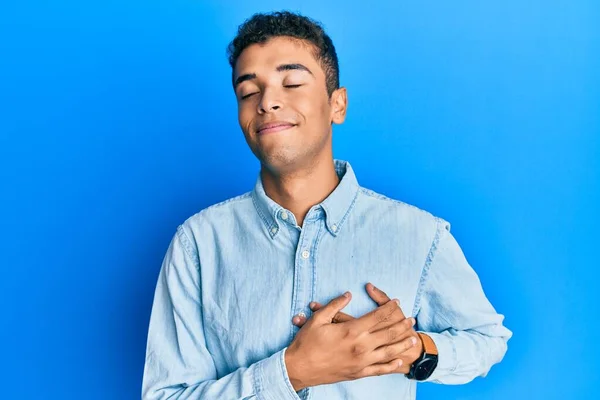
(305, 254)
(284, 215)
(274, 230)
(334, 228)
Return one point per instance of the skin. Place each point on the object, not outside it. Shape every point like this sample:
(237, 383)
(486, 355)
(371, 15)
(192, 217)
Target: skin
(281, 80)
(381, 298)
(297, 168)
(324, 351)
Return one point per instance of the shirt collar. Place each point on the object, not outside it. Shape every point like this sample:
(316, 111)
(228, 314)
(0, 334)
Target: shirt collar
(336, 206)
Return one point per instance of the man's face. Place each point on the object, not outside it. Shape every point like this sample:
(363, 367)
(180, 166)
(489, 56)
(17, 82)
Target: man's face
(282, 83)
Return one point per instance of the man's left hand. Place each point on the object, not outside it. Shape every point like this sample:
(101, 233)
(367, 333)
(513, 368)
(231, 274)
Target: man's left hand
(409, 356)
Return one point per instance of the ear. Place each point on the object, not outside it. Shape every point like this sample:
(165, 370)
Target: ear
(339, 105)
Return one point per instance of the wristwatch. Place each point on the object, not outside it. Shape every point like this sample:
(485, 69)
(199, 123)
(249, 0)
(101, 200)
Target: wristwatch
(424, 366)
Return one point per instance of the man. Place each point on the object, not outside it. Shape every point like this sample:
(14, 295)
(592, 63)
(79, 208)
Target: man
(249, 298)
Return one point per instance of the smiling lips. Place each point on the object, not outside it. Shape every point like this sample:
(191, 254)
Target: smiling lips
(274, 127)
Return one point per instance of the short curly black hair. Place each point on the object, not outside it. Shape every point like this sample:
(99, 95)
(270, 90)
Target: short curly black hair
(261, 27)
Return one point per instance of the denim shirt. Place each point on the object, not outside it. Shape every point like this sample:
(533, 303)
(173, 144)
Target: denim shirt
(236, 273)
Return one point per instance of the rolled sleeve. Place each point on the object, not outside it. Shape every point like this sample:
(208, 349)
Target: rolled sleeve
(271, 379)
(446, 356)
(454, 311)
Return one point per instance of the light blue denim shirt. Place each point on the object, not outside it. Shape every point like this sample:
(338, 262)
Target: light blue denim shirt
(236, 273)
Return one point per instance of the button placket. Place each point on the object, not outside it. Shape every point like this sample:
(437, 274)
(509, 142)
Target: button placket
(304, 271)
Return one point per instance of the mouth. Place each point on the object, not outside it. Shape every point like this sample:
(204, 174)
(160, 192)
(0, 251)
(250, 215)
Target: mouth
(274, 129)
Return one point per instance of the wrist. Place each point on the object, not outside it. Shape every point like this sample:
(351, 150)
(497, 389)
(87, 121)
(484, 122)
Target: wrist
(292, 369)
(423, 366)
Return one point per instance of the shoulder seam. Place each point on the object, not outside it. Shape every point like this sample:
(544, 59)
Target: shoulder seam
(379, 196)
(222, 203)
(433, 251)
(230, 200)
(187, 246)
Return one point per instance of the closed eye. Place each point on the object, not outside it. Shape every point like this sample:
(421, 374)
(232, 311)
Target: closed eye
(287, 86)
(248, 95)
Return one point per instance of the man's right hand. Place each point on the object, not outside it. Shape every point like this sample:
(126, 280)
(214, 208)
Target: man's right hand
(325, 352)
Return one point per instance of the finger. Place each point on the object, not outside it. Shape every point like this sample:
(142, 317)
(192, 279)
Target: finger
(339, 317)
(376, 319)
(394, 333)
(376, 294)
(326, 314)
(381, 369)
(342, 317)
(299, 320)
(380, 297)
(393, 351)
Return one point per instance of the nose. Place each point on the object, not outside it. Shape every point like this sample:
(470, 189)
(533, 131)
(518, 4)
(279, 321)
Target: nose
(268, 102)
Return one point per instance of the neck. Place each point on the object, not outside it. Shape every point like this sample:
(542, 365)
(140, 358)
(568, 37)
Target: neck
(301, 189)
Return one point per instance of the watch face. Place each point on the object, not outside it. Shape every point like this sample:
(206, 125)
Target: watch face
(425, 368)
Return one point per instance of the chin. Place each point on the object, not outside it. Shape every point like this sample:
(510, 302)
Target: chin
(280, 161)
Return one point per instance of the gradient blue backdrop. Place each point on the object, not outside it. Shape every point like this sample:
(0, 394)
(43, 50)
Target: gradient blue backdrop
(118, 122)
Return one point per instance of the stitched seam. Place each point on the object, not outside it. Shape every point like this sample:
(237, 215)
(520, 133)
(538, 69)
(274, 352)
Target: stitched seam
(187, 246)
(301, 240)
(258, 380)
(258, 209)
(260, 213)
(224, 202)
(430, 255)
(341, 222)
(375, 195)
(379, 196)
(230, 200)
(280, 361)
(315, 251)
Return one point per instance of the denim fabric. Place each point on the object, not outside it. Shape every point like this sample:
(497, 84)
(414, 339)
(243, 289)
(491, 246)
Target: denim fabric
(236, 273)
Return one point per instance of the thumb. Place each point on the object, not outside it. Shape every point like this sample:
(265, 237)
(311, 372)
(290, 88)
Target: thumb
(377, 294)
(326, 314)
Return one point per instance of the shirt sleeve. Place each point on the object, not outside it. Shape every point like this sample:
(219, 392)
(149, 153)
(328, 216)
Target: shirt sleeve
(456, 314)
(178, 364)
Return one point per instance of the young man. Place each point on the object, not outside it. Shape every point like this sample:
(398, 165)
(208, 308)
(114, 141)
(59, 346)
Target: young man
(249, 298)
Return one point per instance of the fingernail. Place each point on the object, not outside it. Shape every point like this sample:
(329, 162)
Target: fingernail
(414, 321)
(400, 363)
(347, 294)
(312, 304)
(413, 340)
(397, 301)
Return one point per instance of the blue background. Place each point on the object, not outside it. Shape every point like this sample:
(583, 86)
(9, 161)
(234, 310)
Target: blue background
(117, 122)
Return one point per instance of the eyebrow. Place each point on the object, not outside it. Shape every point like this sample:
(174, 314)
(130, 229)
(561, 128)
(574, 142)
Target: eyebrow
(280, 68)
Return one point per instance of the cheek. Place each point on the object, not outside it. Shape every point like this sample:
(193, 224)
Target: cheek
(318, 116)
(245, 117)
(315, 112)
